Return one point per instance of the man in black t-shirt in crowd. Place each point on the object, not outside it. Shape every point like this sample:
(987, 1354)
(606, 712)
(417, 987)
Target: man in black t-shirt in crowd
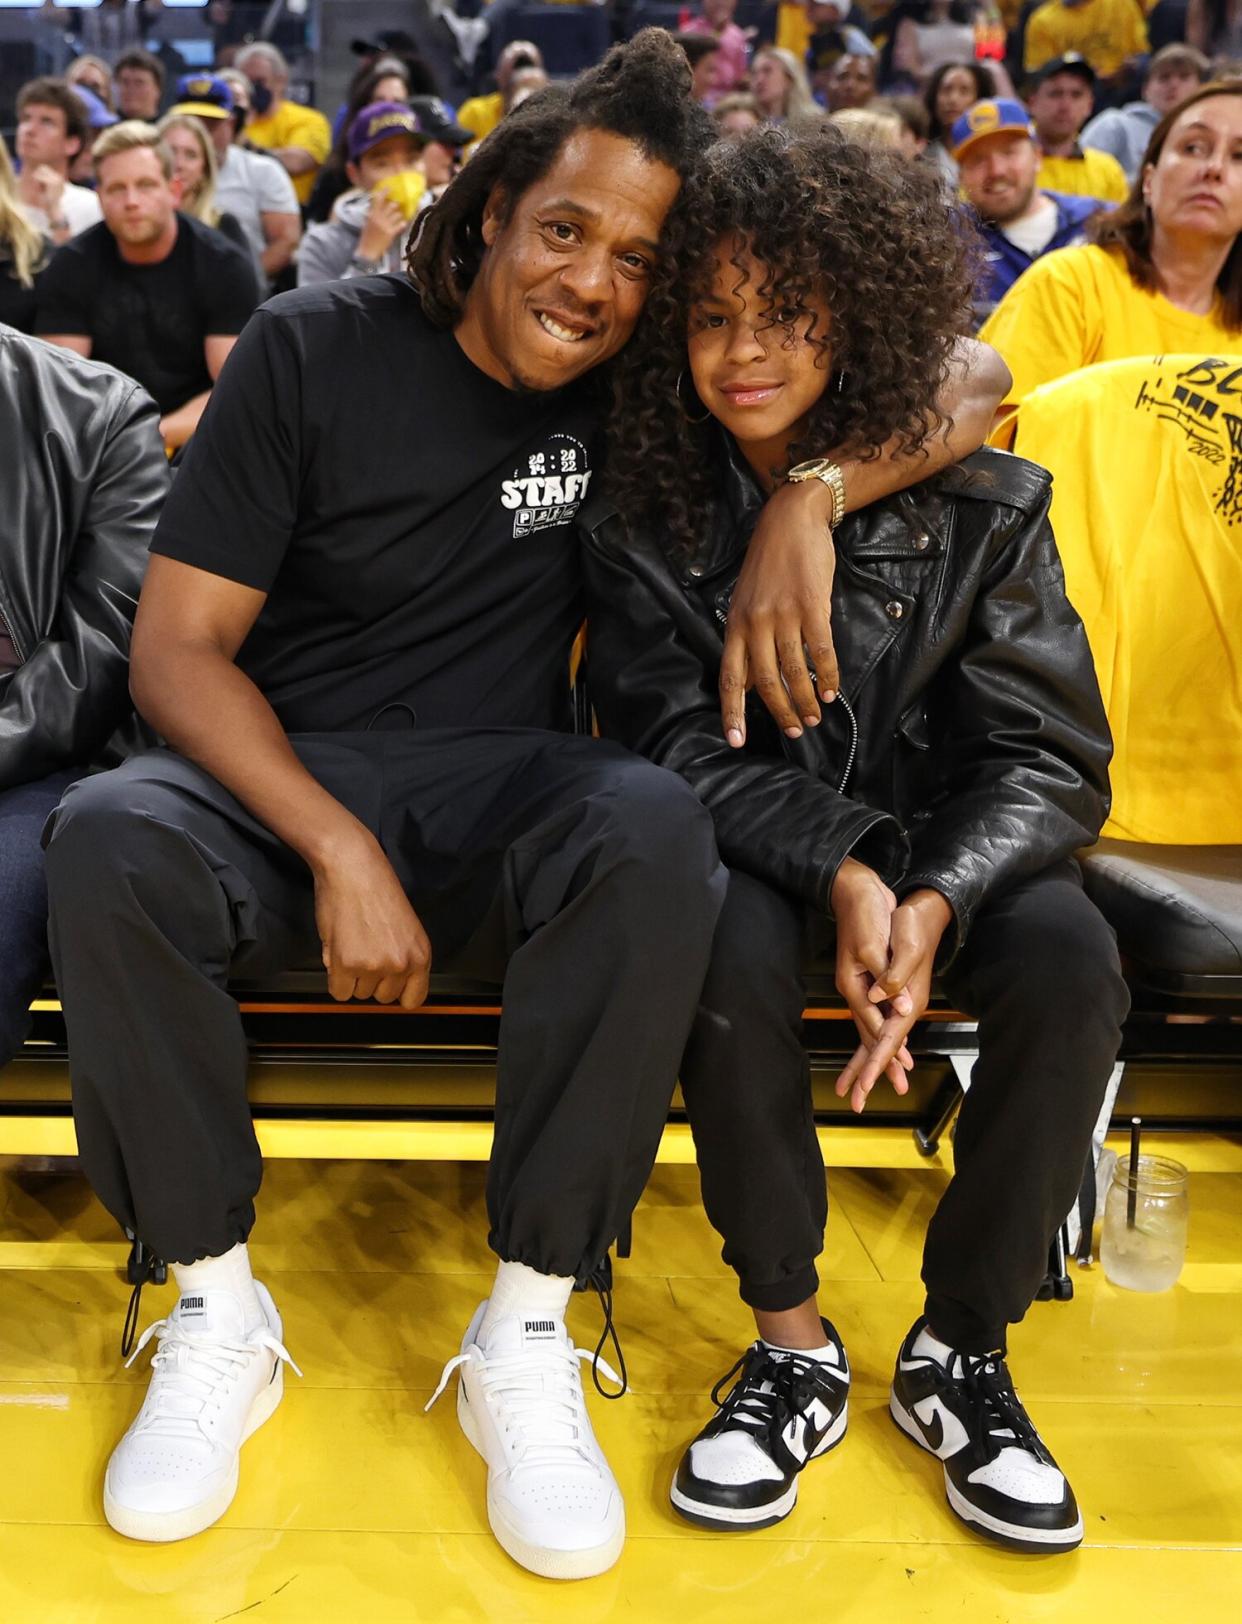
(155, 293)
(355, 634)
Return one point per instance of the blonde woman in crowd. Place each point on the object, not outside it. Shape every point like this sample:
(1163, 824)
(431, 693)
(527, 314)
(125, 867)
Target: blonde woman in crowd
(779, 84)
(95, 74)
(194, 165)
(23, 253)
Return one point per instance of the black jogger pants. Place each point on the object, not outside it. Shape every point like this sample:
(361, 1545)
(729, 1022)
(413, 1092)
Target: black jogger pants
(1039, 970)
(581, 878)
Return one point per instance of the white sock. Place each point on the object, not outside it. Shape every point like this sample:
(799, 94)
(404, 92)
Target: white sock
(522, 1289)
(827, 1355)
(230, 1272)
(927, 1346)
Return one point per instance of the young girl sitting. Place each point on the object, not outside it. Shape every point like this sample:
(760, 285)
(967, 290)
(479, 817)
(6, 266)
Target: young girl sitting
(924, 824)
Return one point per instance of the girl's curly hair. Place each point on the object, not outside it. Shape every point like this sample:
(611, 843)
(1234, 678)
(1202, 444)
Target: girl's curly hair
(862, 229)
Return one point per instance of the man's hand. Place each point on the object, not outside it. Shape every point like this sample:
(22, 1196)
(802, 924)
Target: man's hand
(45, 189)
(781, 612)
(898, 994)
(385, 222)
(373, 943)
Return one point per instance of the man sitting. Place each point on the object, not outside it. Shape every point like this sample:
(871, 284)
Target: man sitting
(139, 77)
(86, 476)
(389, 147)
(149, 290)
(1060, 105)
(300, 137)
(1174, 73)
(51, 132)
(993, 143)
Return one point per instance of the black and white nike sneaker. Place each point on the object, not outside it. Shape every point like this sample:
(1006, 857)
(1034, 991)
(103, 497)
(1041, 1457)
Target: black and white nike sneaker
(998, 1475)
(784, 1409)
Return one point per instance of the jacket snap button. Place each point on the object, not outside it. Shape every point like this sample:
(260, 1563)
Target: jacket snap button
(894, 610)
(696, 572)
(921, 543)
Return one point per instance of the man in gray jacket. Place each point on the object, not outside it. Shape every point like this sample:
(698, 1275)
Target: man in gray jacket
(401, 155)
(1173, 73)
(85, 479)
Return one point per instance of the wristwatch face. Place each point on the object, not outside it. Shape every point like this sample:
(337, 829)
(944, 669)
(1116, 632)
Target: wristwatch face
(809, 470)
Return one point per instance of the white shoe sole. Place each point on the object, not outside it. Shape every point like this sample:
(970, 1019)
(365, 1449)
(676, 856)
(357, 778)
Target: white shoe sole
(1048, 1540)
(706, 1515)
(163, 1527)
(547, 1562)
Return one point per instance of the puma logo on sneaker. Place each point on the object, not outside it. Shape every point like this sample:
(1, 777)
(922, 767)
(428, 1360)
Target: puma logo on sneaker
(190, 1305)
(532, 1328)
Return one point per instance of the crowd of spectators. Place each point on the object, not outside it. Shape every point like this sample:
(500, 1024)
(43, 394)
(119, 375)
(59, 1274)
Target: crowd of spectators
(1035, 118)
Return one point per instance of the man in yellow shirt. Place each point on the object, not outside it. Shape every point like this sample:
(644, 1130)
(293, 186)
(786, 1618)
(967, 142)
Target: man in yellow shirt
(299, 137)
(1060, 104)
(1111, 34)
(481, 114)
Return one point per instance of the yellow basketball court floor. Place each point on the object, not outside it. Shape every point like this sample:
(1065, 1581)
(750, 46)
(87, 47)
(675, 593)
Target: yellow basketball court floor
(356, 1506)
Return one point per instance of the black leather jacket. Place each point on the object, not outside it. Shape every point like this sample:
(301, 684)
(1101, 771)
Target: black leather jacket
(84, 476)
(969, 746)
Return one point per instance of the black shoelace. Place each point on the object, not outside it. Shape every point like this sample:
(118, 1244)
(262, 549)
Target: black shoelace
(991, 1404)
(792, 1379)
(600, 1281)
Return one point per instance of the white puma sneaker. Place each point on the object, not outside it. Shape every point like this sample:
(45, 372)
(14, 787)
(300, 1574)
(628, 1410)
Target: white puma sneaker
(174, 1472)
(552, 1500)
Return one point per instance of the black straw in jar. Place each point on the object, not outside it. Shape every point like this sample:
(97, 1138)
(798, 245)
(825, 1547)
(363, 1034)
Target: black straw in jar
(1136, 1130)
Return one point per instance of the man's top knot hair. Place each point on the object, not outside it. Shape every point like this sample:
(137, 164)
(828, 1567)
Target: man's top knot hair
(640, 91)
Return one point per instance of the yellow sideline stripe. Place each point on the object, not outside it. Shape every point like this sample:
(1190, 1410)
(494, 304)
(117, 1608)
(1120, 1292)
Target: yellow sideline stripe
(880, 1146)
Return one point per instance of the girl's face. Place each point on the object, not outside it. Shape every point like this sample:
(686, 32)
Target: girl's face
(391, 89)
(755, 364)
(187, 157)
(955, 93)
(769, 83)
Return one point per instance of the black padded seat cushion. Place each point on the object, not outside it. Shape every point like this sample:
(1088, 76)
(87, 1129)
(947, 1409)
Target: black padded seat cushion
(1176, 909)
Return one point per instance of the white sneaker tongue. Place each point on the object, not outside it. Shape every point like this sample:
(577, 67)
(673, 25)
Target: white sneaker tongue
(525, 1334)
(211, 1313)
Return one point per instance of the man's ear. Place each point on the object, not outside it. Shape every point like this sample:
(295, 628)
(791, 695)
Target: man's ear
(353, 174)
(493, 215)
(73, 146)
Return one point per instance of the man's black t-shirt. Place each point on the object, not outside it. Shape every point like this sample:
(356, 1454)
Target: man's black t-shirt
(150, 320)
(410, 519)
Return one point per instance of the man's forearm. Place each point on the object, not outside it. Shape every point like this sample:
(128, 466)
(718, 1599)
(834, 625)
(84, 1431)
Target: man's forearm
(977, 384)
(296, 159)
(213, 714)
(277, 255)
(177, 427)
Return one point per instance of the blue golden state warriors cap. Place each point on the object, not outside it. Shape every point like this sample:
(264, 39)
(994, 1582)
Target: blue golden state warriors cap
(205, 95)
(994, 117)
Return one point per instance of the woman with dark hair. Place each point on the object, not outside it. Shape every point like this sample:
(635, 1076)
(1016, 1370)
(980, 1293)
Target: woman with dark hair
(386, 80)
(953, 88)
(1163, 274)
(928, 821)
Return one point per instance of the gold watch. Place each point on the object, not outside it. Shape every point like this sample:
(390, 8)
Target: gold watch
(820, 468)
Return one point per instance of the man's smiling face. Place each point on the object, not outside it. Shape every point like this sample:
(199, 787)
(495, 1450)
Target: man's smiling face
(564, 278)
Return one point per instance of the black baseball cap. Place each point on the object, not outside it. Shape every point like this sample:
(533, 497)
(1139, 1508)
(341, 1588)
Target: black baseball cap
(1071, 62)
(436, 122)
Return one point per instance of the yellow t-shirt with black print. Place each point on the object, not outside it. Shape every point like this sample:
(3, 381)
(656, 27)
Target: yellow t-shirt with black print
(1078, 306)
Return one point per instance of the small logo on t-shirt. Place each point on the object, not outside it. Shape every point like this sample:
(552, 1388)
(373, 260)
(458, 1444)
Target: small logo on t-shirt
(548, 489)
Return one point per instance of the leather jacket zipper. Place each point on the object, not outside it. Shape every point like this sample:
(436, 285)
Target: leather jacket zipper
(722, 615)
(17, 648)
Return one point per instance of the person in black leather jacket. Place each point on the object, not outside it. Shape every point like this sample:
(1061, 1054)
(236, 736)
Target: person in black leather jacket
(84, 480)
(926, 823)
